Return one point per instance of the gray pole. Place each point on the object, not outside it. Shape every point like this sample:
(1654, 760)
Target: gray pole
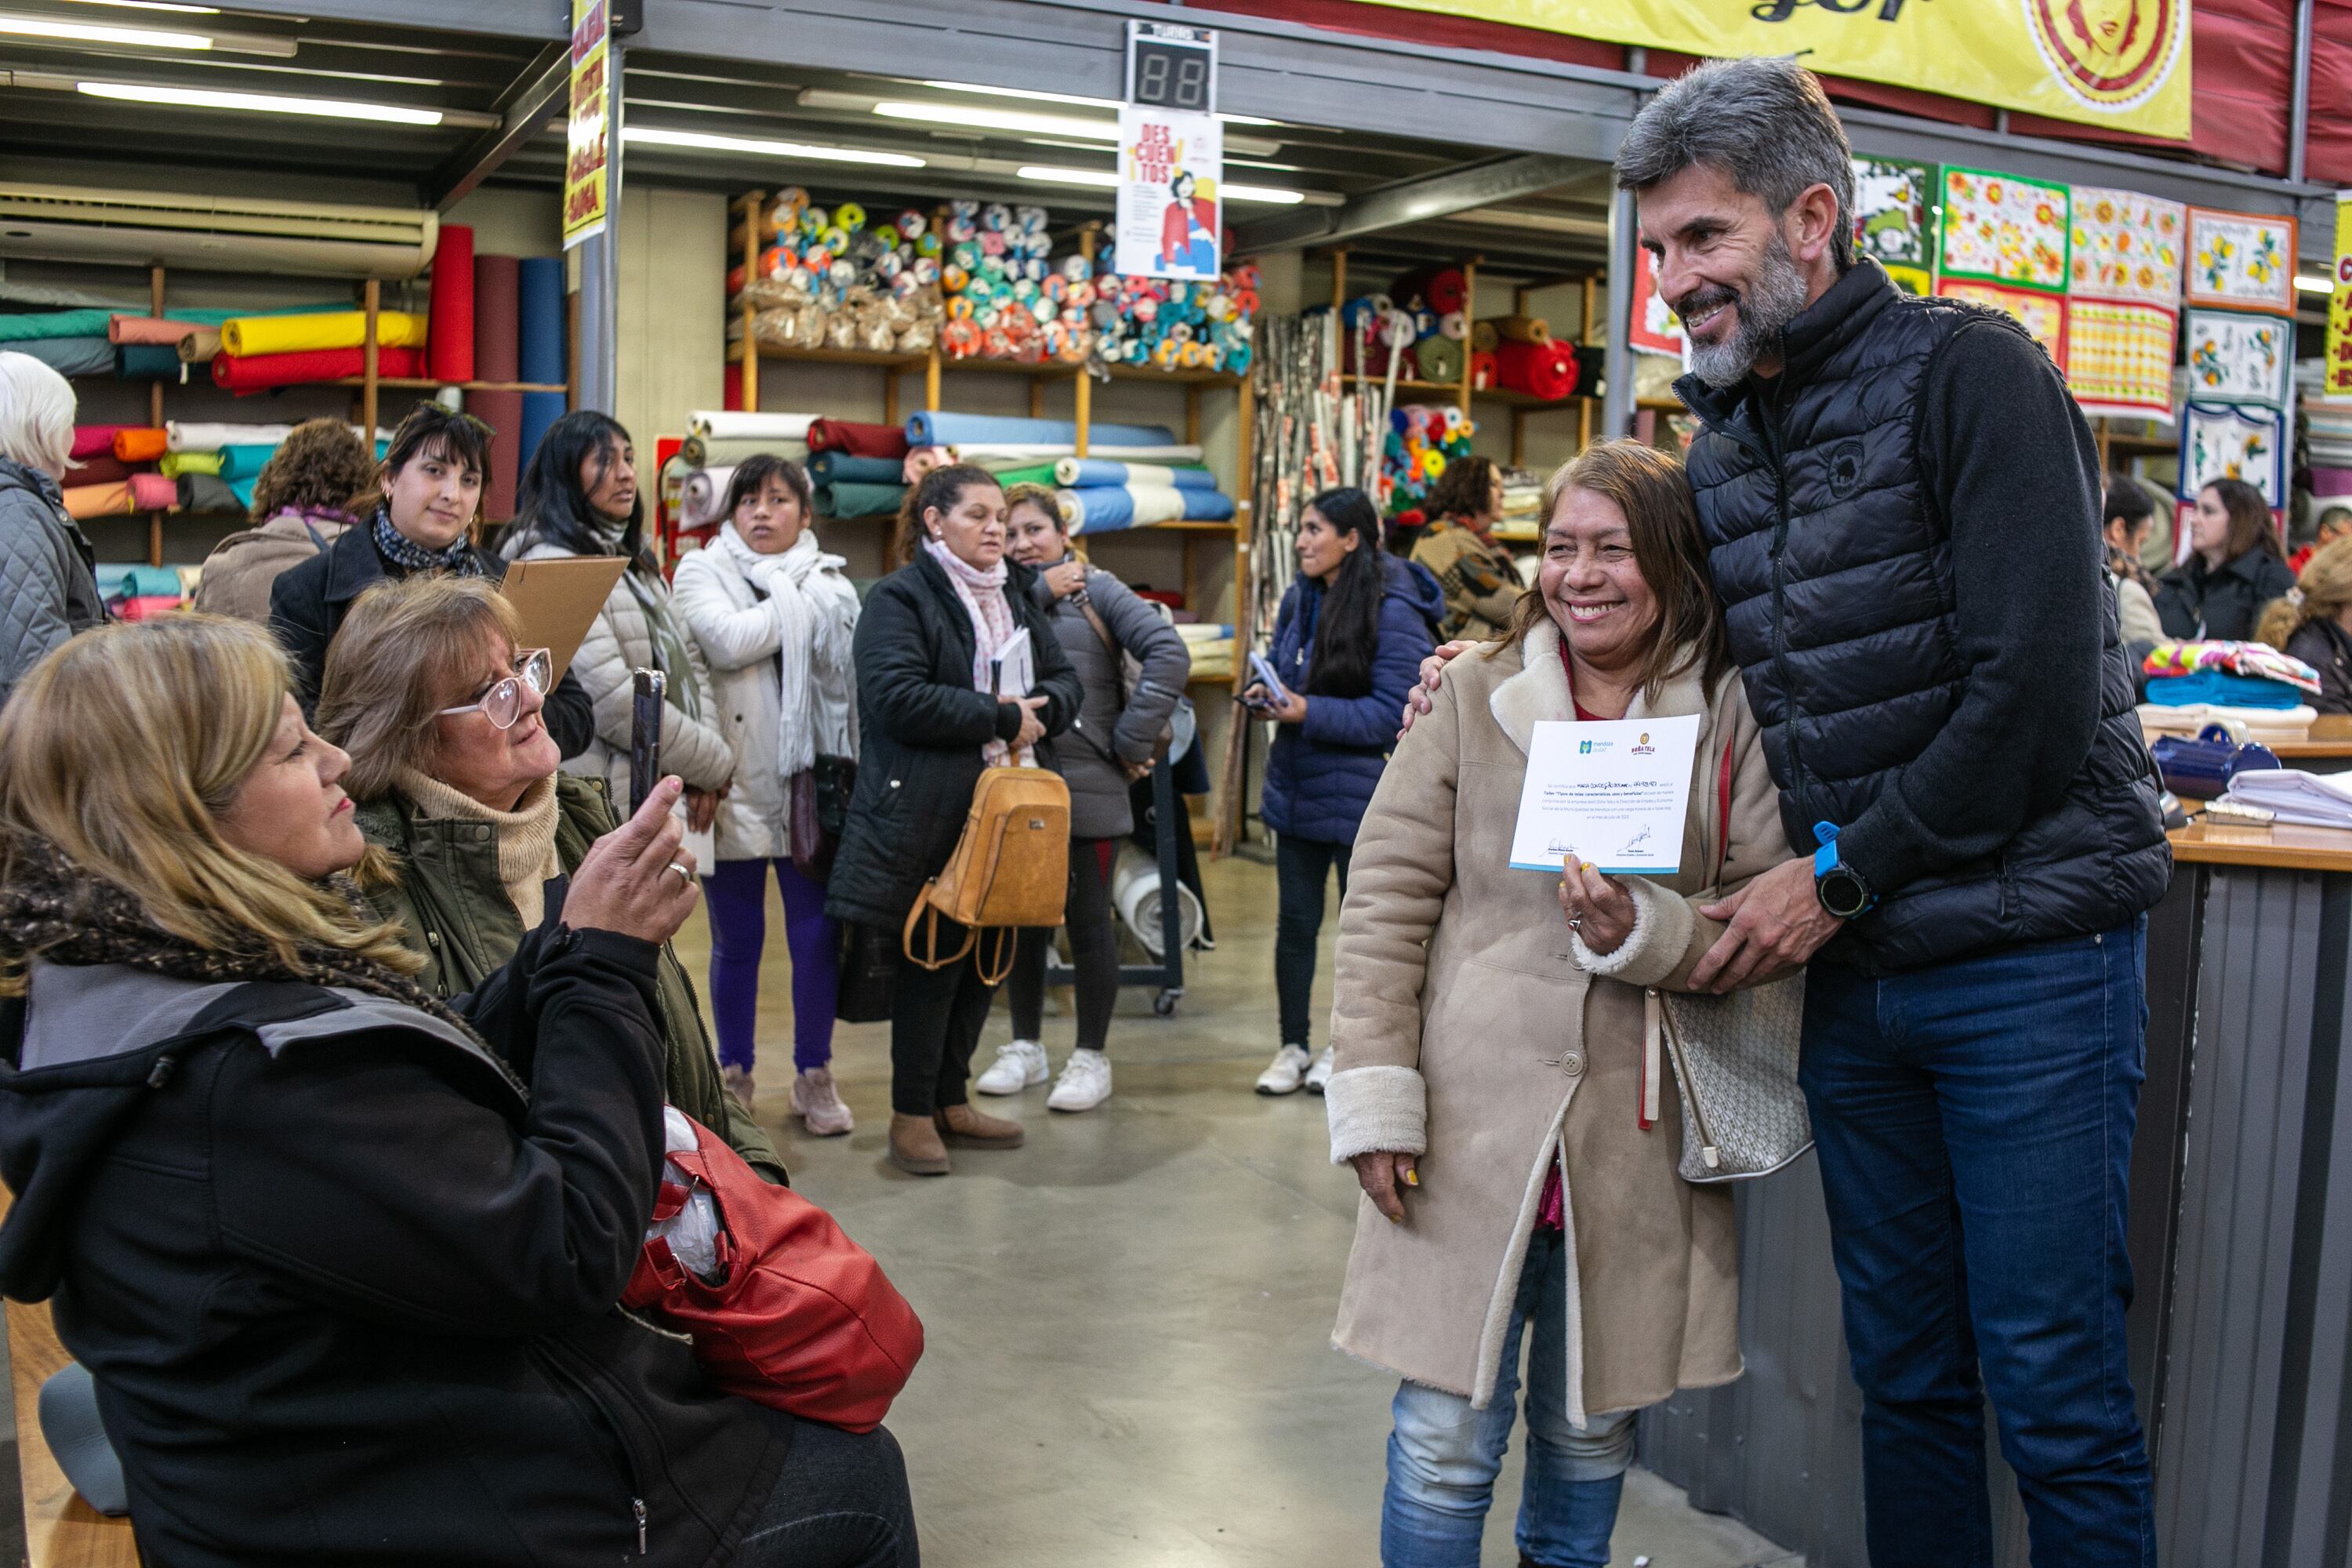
(1617, 366)
(2299, 120)
(599, 366)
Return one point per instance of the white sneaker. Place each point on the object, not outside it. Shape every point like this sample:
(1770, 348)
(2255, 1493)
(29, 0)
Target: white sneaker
(1085, 1082)
(1017, 1066)
(1286, 1072)
(1320, 1073)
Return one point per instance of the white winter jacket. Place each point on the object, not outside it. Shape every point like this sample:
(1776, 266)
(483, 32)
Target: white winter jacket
(618, 641)
(735, 629)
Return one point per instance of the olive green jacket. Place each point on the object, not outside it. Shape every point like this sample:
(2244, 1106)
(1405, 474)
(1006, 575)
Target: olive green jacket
(447, 897)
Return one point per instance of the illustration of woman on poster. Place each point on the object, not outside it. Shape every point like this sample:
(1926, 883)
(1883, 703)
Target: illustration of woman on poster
(1188, 233)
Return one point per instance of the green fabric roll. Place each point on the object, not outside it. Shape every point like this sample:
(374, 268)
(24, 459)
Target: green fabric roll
(241, 464)
(69, 356)
(842, 500)
(1034, 474)
(1439, 358)
(847, 468)
(54, 324)
(178, 463)
(149, 362)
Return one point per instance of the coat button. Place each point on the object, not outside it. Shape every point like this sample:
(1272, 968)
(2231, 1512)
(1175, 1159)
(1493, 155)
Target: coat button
(894, 784)
(1572, 1063)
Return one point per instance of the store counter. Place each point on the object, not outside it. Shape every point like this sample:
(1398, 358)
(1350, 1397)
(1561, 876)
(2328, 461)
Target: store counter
(2241, 1240)
(2327, 751)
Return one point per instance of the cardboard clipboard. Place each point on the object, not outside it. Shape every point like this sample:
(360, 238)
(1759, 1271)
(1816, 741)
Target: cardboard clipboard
(558, 600)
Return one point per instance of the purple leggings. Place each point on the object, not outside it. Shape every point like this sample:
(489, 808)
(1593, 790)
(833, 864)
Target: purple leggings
(737, 893)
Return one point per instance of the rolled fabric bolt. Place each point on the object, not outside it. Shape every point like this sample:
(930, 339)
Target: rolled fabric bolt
(248, 336)
(1484, 337)
(140, 444)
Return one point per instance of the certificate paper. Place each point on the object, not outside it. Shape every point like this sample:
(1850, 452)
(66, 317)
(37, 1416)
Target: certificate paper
(1612, 792)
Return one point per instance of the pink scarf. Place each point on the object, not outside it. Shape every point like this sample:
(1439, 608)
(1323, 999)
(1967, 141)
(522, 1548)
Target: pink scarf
(983, 594)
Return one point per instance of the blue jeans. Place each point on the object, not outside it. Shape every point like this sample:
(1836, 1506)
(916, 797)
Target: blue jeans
(1444, 1455)
(1975, 1121)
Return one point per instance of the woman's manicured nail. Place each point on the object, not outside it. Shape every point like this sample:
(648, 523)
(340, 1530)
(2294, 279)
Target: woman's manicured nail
(1413, 1178)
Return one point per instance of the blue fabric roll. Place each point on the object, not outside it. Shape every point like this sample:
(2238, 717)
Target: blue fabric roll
(842, 468)
(539, 410)
(149, 362)
(1106, 508)
(244, 463)
(944, 429)
(136, 582)
(2222, 688)
(1082, 472)
(69, 356)
(541, 298)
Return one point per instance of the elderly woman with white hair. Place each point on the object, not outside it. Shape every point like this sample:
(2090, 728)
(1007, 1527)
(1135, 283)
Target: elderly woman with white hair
(48, 579)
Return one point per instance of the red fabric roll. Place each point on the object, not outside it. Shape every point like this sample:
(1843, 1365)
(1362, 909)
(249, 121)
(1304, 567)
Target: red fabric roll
(857, 440)
(734, 280)
(450, 340)
(1444, 292)
(89, 440)
(502, 412)
(136, 444)
(498, 318)
(258, 373)
(1544, 370)
(1484, 371)
(154, 492)
(148, 607)
(104, 468)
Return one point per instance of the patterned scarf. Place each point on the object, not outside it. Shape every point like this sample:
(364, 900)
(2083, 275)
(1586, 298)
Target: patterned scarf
(51, 908)
(461, 558)
(993, 626)
(682, 690)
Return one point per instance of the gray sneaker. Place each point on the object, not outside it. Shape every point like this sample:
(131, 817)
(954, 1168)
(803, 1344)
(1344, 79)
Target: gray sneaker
(817, 1102)
(1286, 1072)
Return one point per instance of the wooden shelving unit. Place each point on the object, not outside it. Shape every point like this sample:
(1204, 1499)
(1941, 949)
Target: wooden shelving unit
(747, 354)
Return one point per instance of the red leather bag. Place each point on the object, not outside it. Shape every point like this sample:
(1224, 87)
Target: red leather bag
(803, 1318)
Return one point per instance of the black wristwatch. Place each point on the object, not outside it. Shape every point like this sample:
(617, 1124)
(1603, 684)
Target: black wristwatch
(1840, 887)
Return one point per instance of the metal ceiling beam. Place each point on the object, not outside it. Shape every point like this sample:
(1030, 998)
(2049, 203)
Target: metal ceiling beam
(546, 79)
(1412, 201)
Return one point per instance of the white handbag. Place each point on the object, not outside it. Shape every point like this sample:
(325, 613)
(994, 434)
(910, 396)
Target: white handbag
(1735, 1059)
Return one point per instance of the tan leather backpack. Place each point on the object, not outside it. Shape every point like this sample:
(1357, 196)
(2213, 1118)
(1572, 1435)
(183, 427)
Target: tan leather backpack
(1011, 869)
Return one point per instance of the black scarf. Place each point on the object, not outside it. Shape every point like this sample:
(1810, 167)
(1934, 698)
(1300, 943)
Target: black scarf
(460, 559)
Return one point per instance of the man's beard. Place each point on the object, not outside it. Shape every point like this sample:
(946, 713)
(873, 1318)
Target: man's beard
(1772, 299)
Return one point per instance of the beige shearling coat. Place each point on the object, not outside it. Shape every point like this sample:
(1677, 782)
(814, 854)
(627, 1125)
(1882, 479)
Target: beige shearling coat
(1472, 1028)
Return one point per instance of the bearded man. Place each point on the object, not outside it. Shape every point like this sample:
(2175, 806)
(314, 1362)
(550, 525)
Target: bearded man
(1901, 506)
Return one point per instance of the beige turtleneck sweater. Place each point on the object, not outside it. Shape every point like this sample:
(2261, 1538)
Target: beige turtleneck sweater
(525, 836)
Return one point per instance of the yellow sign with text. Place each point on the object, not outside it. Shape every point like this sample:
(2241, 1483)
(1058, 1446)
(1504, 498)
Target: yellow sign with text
(2123, 64)
(587, 170)
(2336, 384)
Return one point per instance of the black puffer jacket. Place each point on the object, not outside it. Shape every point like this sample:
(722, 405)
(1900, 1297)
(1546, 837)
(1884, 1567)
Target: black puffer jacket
(347, 1291)
(1903, 530)
(921, 727)
(2226, 604)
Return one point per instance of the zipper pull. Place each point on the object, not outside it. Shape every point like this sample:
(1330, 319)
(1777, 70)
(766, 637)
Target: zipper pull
(637, 1505)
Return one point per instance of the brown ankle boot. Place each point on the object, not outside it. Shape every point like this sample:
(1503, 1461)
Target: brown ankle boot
(963, 1127)
(914, 1146)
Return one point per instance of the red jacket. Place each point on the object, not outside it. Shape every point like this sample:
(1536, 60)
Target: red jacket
(1176, 227)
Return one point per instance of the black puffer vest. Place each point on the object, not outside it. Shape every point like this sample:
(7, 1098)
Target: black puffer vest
(1834, 562)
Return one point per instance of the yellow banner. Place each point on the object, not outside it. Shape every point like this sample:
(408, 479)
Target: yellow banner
(587, 175)
(2123, 64)
(2336, 383)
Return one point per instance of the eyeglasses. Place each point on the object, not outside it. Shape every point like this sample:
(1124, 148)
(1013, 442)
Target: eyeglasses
(502, 703)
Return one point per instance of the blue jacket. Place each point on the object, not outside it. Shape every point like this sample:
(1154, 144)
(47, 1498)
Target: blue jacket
(1322, 772)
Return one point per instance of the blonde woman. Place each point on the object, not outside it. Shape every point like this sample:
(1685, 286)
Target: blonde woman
(1489, 1041)
(343, 1276)
(2314, 623)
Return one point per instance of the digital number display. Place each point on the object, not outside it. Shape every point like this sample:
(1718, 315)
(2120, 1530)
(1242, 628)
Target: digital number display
(1172, 67)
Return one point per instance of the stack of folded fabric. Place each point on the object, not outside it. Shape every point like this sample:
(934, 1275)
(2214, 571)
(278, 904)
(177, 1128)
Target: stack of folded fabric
(2303, 799)
(2192, 684)
(2328, 434)
(1138, 486)
(1212, 648)
(142, 593)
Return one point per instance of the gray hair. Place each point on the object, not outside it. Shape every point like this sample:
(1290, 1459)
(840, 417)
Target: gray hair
(1763, 122)
(36, 415)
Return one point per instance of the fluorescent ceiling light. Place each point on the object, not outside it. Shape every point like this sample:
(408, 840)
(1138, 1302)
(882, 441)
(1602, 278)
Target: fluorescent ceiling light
(259, 103)
(651, 136)
(1104, 177)
(156, 6)
(2310, 285)
(100, 33)
(981, 119)
(1110, 103)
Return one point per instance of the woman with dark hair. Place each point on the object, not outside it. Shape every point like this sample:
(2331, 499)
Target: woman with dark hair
(773, 616)
(2237, 567)
(301, 503)
(1480, 579)
(1188, 230)
(930, 717)
(431, 482)
(1347, 645)
(579, 497)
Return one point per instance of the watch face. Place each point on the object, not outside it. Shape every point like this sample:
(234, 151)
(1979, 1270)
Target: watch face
(1843, 894)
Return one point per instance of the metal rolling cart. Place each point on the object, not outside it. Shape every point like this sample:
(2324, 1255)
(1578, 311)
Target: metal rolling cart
(1168, 974)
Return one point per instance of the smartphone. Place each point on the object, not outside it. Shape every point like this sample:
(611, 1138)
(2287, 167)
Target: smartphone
(645, 734)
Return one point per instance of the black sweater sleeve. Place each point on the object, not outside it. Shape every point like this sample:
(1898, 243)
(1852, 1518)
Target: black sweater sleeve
(2011, 465)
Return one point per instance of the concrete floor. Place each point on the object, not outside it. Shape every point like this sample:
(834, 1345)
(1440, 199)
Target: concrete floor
(1129, 1320)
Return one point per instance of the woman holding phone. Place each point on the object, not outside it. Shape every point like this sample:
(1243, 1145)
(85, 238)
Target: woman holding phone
(1347, 645)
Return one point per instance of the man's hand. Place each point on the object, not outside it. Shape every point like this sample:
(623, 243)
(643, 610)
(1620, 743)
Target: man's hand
(1380, 1174)
(637, 879)
(1775, 924)
(1432, 669)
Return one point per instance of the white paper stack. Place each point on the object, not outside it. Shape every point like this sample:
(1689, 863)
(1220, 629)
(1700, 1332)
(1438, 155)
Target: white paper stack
(2310, 799)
